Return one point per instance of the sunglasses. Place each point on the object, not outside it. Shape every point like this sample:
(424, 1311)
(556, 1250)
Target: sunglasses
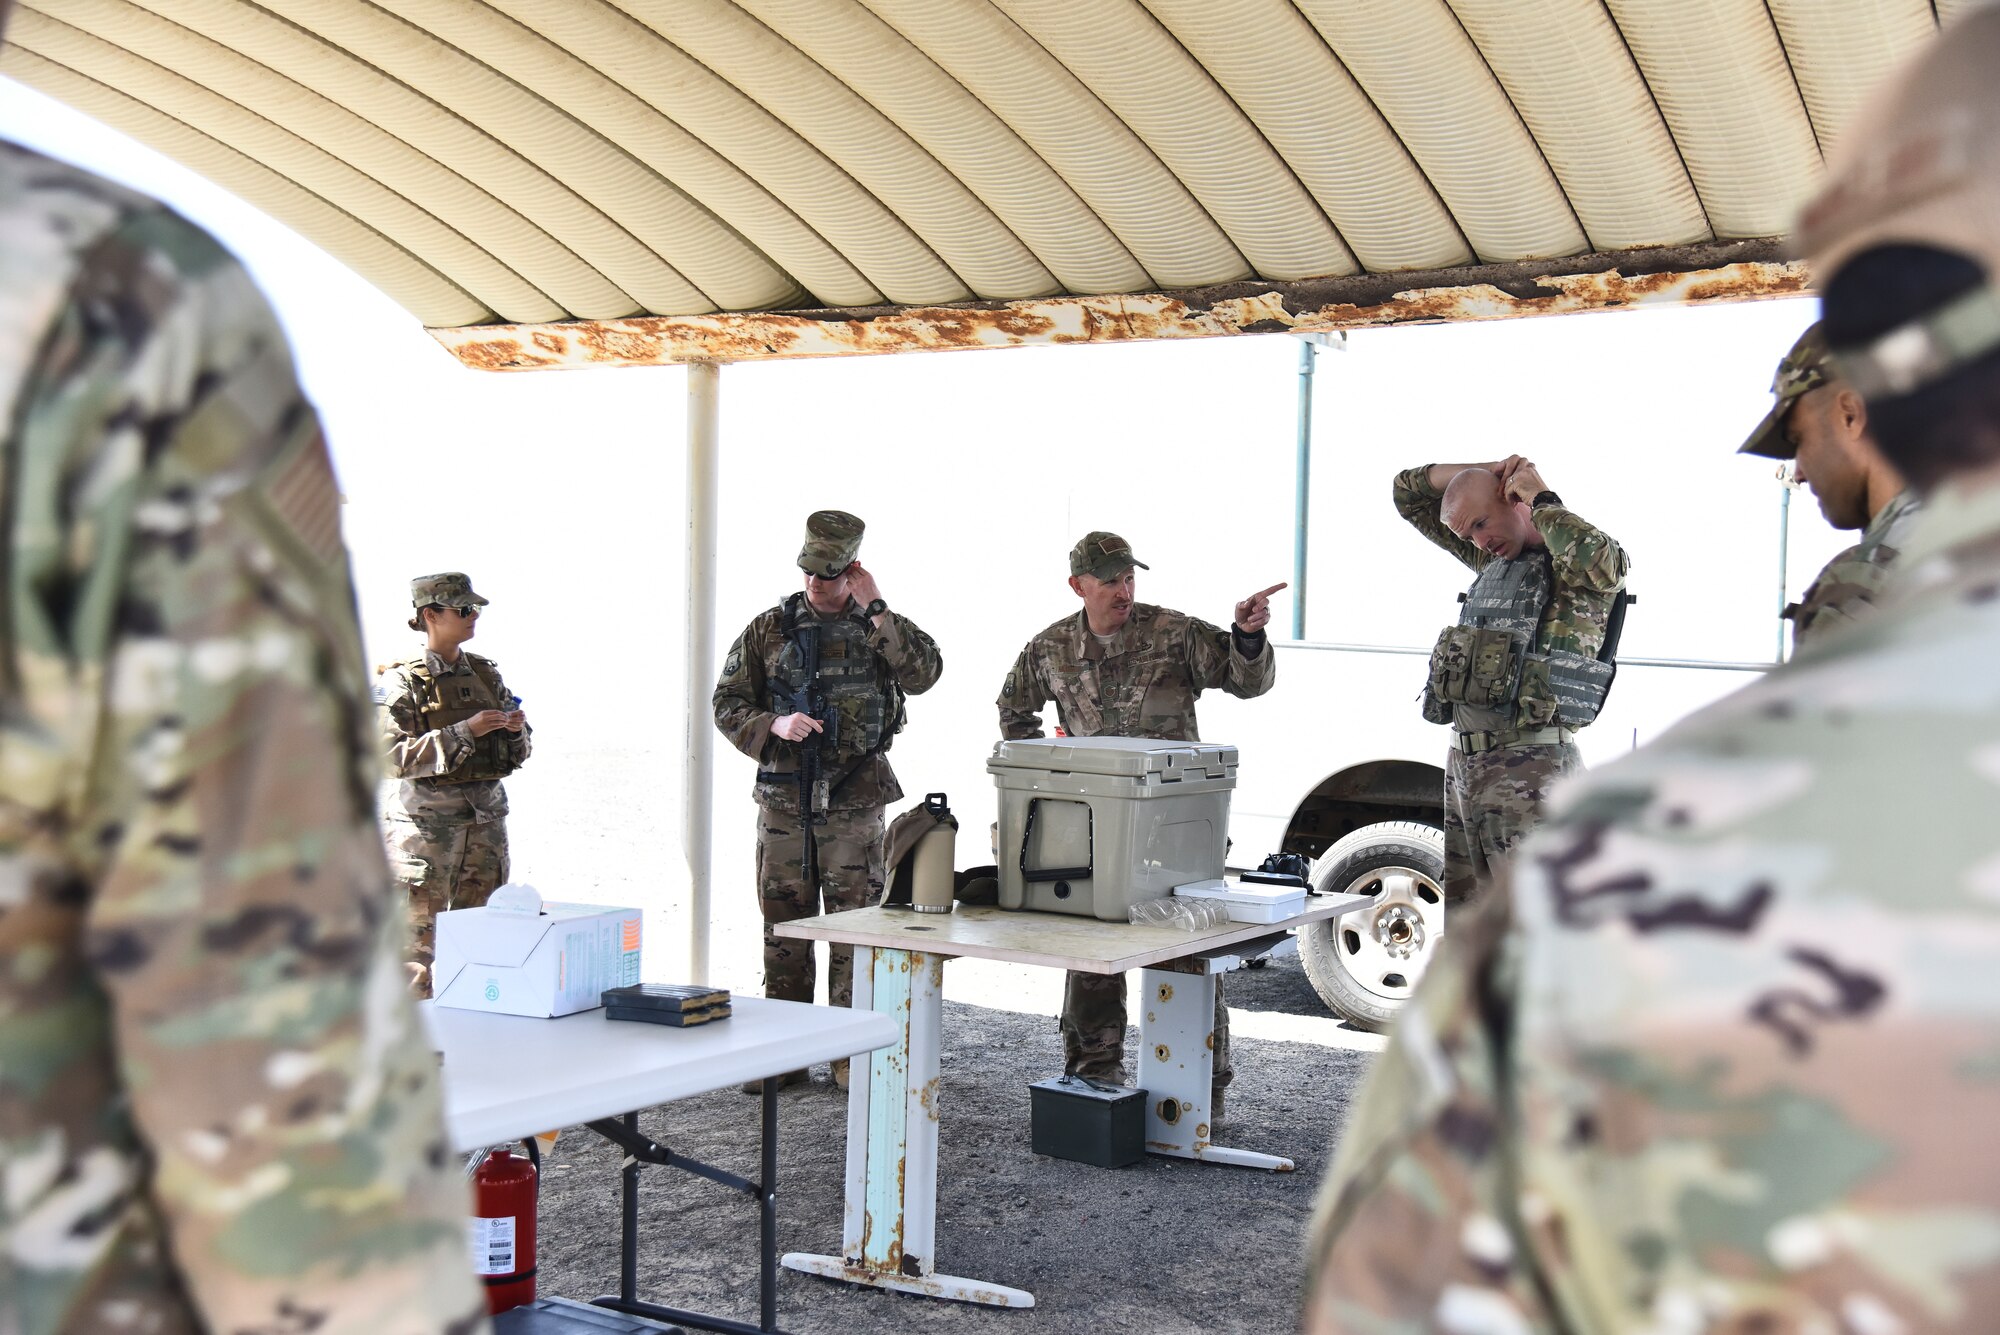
(468, 611)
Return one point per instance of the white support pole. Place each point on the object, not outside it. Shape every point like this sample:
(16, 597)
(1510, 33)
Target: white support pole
(704, 392)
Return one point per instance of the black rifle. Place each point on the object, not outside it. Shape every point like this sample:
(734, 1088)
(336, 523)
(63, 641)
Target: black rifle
(810, 700)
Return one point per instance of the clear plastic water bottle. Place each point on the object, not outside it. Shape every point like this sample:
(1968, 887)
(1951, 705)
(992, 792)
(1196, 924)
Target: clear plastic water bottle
(1186, 915)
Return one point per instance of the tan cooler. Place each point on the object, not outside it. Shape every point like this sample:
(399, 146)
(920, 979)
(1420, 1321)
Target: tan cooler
(1093, 825)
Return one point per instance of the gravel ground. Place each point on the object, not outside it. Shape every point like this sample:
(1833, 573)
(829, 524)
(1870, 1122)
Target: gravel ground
(1163, 1247)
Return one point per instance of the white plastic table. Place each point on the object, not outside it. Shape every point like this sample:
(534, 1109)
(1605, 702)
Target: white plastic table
(889, 1236)
(507, 1078)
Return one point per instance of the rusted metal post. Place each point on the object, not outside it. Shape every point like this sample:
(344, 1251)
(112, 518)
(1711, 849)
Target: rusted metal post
(704, 394)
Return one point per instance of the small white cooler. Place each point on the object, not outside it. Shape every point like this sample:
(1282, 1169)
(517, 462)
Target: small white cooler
(1249, 903)
(1093, 825)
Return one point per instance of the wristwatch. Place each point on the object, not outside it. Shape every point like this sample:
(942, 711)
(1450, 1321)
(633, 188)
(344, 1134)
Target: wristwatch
(1544, 497)
(874, 609)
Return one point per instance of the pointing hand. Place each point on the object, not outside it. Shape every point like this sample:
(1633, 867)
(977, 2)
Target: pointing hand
(1254, 612)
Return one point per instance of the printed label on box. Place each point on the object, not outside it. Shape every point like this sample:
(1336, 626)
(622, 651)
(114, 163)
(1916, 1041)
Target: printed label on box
(492, 1246)
(597, 954)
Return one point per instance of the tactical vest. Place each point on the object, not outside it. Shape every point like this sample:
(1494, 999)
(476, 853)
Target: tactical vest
(864, 705)
(1485, 674)
(442, 702)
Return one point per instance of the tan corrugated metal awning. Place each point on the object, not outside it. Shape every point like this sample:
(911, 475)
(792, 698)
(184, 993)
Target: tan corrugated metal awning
(1054, 170)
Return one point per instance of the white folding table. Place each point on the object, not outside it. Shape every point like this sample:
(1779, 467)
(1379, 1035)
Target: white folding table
(889, 1235)
(507, 1078)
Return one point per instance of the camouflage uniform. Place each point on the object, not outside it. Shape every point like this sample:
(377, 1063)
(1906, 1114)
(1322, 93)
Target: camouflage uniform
(1141, 682)
(447, 836)
(1852, 582)
(1730, 1067)
(1493, 796)
(217, 1110)
(849, 844)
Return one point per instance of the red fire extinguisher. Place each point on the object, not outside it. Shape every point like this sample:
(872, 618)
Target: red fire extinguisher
(504, 1188)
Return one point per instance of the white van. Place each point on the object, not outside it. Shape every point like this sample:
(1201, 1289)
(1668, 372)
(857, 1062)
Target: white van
(1365, 801)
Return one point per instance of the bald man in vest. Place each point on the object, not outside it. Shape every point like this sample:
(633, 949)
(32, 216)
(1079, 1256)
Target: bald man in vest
(1519, 673)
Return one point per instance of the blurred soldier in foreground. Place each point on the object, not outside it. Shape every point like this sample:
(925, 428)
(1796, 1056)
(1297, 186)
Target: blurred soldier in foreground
(452, 731)
(1820, 422)
(1520, 672)
(813, 691)
(217, 1110)
(1729, 1064)
(1120, 668)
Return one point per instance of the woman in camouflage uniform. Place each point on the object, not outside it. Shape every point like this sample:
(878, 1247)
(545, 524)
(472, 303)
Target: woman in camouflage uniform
(452, 731)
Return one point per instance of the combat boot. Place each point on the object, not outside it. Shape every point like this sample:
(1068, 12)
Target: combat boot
(1214, 1111)
(840, 1074)
(788, 1078)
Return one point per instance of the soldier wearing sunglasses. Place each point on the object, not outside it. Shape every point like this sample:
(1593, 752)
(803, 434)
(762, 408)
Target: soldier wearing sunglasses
(452, 731)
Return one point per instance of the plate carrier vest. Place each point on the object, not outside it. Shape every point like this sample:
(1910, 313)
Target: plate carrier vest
(491, 758)
(1484, 671)
(864, 705)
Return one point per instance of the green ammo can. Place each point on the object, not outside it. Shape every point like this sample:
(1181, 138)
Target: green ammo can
(1072, 1117)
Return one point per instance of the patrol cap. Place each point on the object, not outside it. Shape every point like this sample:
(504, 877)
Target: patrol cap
(1103, 555)
(451, 589)
(833, 540)
(1920, 166)
(1805, 367)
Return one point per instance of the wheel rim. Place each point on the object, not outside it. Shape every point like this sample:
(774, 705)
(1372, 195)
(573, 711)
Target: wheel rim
(1385, 946)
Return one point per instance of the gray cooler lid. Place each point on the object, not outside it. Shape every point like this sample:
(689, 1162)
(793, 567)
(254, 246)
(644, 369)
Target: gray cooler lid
(1131, 757)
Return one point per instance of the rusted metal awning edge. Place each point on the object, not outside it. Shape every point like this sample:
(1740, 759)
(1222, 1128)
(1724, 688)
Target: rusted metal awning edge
(1681, 275)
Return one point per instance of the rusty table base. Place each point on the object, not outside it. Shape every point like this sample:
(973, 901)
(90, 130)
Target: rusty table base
(889, 1236)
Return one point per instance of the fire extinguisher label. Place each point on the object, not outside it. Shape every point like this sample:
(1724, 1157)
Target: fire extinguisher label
(492, 1246)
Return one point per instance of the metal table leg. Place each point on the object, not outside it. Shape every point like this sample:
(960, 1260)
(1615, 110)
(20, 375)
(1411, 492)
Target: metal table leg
(767, 1207)
(889, 1235)
(628, 1232)
(1176, 1061)
(624, 1132)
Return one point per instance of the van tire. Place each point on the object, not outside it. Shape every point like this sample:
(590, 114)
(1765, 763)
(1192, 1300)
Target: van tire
(1356, 961)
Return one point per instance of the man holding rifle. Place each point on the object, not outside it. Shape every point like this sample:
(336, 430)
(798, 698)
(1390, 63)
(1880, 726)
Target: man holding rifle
(813, 690)
(1521, 670)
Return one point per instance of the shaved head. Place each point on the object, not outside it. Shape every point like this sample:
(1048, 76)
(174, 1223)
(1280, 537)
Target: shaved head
(1476, 509)
(1475, 487)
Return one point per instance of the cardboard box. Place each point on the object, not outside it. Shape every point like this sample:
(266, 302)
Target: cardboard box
(521, 956)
